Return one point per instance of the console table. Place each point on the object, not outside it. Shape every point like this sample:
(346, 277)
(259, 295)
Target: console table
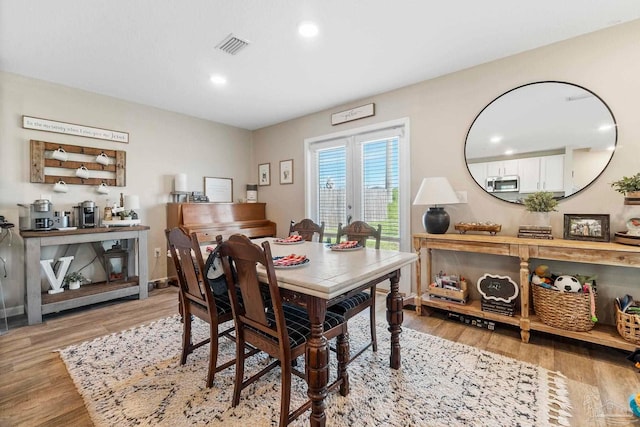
(38, 303)
(522, 249)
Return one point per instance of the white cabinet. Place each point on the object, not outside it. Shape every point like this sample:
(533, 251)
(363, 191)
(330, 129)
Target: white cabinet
(502, 168)
(541, 174)
(479, 173)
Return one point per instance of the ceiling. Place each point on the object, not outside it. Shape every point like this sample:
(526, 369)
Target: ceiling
(162, 52)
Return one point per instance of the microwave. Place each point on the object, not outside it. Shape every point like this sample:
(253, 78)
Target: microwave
(502, 184)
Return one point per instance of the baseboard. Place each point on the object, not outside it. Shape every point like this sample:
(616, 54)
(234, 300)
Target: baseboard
(12, 311)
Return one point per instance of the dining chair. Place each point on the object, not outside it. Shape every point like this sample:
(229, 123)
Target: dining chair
(307, 228)
(279, 329)
(198, 299)
(358, 301)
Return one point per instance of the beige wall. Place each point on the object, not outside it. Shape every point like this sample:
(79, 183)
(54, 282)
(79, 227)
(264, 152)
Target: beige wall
(161, 144)
(441, 111)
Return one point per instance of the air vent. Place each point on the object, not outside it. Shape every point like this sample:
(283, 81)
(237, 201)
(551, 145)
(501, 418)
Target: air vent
(232, 44)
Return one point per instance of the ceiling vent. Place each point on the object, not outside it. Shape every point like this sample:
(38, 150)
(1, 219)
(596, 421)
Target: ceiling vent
(232, 44)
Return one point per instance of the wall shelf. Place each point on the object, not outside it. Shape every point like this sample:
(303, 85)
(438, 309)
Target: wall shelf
(42, 164)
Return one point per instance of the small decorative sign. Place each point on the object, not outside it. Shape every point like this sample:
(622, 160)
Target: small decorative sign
(73, 129)
(218, 190)
(498, 288)
(353, 114)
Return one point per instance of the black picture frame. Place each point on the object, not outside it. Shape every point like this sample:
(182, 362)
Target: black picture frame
(587, 227)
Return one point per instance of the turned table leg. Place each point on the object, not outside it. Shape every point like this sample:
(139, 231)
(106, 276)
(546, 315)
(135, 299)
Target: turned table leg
(395, 317)
(317, 362)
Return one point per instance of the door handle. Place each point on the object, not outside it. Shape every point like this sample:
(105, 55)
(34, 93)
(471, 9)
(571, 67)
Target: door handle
(349, 218)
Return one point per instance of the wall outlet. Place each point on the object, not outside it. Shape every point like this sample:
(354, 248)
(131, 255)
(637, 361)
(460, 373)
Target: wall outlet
(156, 252)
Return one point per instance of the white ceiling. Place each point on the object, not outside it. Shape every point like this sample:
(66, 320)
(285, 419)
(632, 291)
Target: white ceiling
(161, 52)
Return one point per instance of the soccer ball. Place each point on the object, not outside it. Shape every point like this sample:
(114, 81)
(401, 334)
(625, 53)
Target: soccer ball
(567, 284)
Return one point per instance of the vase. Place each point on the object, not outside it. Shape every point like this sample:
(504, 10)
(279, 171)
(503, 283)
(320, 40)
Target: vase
(74, 285)
(538, 218)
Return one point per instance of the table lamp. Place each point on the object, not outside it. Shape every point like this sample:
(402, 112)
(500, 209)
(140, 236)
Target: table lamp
(131, 203)
(436, 191)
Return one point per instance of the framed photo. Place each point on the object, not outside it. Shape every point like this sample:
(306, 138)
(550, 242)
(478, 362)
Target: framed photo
(586, 227)
(264, 174)
(286, 171)
(218, 190)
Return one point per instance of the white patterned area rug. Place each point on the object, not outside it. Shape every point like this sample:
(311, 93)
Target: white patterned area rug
(135, 378)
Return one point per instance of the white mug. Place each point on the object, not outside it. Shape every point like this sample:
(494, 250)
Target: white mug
(60, 187)
(102, 159)
(103, 188)
(60, 154)
(82, 172)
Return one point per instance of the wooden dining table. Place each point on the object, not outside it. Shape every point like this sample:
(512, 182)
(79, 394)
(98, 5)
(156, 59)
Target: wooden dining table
(327, 278)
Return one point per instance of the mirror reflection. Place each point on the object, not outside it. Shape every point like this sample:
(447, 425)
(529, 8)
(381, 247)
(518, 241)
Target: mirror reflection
(550, 136)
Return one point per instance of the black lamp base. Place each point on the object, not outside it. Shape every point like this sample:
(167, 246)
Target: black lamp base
(436, 220)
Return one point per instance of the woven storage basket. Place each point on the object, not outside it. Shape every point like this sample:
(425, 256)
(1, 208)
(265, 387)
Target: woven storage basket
(628, 326)
(564, 310)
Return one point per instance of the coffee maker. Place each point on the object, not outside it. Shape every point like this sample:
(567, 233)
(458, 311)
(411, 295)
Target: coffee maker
(37, 216)
(87, 215)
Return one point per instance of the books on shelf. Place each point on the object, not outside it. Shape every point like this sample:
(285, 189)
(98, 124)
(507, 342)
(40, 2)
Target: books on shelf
(535, 231)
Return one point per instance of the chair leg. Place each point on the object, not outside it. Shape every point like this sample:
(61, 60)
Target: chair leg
(285, 399)
(343, 361)
(213, 352)
(186, 337)
(372, 319)
(237, 386)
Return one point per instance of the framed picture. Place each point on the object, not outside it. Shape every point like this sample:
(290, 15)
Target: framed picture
(218, 189)
(586, 227)
(264, 174)
(286, 171)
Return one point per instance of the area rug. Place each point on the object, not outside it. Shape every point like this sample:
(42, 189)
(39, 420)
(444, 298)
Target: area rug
(135, 378)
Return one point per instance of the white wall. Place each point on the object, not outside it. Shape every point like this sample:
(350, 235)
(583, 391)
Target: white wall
(441, 111)
(161, 144)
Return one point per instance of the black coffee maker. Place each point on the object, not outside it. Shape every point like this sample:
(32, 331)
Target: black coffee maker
(87, 214)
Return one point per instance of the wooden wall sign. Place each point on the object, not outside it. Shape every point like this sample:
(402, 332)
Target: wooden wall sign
(73, 129)
(42, 164)
(498, 288)
(353, 114)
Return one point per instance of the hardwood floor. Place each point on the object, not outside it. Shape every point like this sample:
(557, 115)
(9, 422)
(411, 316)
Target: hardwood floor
(35, 389)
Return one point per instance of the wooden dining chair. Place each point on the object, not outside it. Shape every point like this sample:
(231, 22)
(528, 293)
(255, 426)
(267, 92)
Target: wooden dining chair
(277, 328)
(307, 228)
(198, 299)
(358, 301)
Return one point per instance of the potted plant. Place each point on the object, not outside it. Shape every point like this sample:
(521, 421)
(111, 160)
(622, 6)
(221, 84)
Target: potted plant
(74, 280)
(629, 186)
(540, 201)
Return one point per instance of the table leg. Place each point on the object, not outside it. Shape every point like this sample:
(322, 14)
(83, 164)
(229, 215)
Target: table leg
(317, 362)
(395, 317)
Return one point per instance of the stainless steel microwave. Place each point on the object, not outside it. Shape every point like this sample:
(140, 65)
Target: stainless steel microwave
(503, 184)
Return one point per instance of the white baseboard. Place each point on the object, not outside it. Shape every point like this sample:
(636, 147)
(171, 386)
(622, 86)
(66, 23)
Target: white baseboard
(12, 311)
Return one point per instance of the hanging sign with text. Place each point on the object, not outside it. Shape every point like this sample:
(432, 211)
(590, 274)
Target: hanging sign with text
(73, 129)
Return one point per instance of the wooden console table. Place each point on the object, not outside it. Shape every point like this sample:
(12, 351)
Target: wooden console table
(38, 303)
(613, 254)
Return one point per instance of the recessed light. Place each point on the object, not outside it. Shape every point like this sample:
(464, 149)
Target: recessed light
(509, 152)
(605, 128)
(218, 79)
(308, 29)
(495, 139)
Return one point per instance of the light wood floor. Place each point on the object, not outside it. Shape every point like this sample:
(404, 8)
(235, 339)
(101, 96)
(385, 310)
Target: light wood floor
(35, 389)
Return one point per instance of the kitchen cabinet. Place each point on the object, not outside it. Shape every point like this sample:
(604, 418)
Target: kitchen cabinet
(502, 168)
(479, 173)
(544, 173)
(522, 251)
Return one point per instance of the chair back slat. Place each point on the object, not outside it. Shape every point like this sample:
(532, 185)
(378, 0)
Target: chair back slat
(306, 229)
(189, 265)
(239, 252)
(360, 231)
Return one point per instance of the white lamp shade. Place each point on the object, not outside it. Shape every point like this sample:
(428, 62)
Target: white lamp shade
(436, 191)
(180, 182)
(131, 202)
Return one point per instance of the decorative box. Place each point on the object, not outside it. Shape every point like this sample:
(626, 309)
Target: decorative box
(458, 296)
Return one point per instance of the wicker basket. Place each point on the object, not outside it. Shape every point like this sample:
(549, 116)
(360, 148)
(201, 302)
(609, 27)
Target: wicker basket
(628, 326)
(564, 310)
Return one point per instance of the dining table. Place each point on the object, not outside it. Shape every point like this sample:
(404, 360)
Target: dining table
(328, 276)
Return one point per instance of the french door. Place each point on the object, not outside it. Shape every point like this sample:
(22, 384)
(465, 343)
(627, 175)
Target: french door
(362, 174)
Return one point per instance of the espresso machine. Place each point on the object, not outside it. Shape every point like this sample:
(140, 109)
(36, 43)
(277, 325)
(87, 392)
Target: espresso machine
(87, 215)
(37, 216)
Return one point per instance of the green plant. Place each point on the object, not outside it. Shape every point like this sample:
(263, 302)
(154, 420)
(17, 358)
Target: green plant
(627, 184)
(540, 201)
(76, 276)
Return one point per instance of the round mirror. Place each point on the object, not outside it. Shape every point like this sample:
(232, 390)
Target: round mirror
(543, 136)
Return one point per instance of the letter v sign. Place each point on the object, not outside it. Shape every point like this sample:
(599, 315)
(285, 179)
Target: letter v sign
(56, 281)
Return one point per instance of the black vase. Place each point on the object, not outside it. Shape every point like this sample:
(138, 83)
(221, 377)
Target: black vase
(436, 220)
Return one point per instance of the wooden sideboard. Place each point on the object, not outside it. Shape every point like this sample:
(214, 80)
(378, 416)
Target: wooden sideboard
(208, 220)
(38, 303)
(522, 250)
